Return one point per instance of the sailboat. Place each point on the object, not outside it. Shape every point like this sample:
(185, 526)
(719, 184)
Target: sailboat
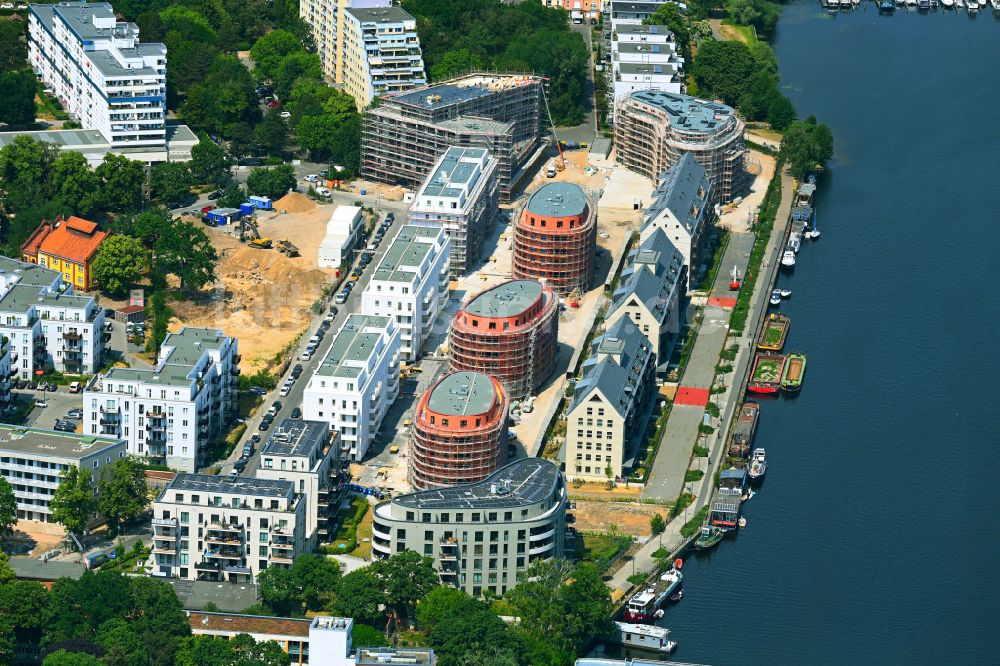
(814, 232)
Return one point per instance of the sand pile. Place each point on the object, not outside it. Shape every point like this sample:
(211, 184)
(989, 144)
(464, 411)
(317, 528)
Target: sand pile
(293, 202)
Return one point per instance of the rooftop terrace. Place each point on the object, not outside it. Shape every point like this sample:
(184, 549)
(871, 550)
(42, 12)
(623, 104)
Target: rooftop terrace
(296, 437)
(686, 112)
(355, 343)
(453, 173)
(408, 250)
(232, 485)
(52, 443)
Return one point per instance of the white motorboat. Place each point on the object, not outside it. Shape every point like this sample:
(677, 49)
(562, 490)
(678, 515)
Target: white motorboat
(788, 259)
(645, 636)
(758, 464)
(786, 293)
(794, 241)
(972, 6)
(775, 300)
(996, 5)
(833, 4)
(948, 4)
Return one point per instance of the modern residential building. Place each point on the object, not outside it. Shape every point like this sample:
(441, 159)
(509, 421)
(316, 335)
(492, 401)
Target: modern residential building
(651, 292)
(682, 209)
(381, 53)
(6, 397)
(304, 453)
(460, 194)
(629, 11)
(32, 460)
(49, 327)
(579, 10)
(326, 19)
(482, 536)
(459, 431)
(555, 238)
(356, 382)
(403, 138)
(644, 57)
(394, 655)
(94, 147)
(343, 231)
(226, 528)
(67, 247)
(654, 129)
(100, 72)
(168, 415)
(410, 285)
(603, 422)
(509, 332)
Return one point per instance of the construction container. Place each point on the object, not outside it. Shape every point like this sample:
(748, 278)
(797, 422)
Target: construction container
(262, 203)
(222, 216)
(247, 208)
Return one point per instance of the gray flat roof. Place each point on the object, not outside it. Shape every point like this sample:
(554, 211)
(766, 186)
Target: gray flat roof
(646, 68)
(408, 249)
(639, 29)
(352, 344)
(36, 569)
(686, 112)
(52, 443)
(459, 90)
(644, 47)
(188, 346)
(455, 168)
(92, 141)
(389, 655)
(462, 394)
(505, 300)
(391, 14)
(234, 485)
(296, 437)
(558, 200)
(522, 482)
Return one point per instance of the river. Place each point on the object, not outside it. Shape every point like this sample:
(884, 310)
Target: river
(874, 538)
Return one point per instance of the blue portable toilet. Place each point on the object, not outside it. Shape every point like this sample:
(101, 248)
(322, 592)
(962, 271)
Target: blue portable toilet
(247, 208)
(261, 203)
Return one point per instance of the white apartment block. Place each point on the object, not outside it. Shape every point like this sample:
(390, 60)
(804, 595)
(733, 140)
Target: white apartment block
(644, 57)
(356, 382)
(682, 209)
(168, 415)
(603, 422)
(410, 285)
(49, 327)
(32, 460)
(326, 18)
(303, 452)
(461, 195)
(380, 54)
(343, 230)
(225, 528)
(100, 71)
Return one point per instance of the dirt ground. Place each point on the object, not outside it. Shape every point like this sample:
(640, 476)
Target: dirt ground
(761, 169)
(629, 518)
(34, 538)
(263, 297)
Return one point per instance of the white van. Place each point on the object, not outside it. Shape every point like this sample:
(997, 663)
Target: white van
(75, 387)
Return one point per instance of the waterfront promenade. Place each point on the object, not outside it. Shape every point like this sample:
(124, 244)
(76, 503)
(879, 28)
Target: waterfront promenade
(675, 451)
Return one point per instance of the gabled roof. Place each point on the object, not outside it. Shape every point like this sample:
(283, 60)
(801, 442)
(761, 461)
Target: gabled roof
(654, 271)
(678, 193)
(615, 368)
(74, 239)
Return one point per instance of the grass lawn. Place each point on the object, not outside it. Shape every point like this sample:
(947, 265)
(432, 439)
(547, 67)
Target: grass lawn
(772, 334)
(362, 532)
(767, 371)
(737, 33)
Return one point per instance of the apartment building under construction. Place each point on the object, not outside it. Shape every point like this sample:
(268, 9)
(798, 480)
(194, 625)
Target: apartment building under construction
(408, 132)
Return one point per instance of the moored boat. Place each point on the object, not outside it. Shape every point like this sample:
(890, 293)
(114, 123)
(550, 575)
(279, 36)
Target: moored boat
(972, 6)
(793, 372)
(948, 4)
(745, 426)
(886, 6)
(766, 375)
(645, 636)
(709, 537)
(774, 332)
(758, 465)
(775, 297)
(924, 5)
(794, 242)
(788, 258)
(644, 606)
(786, 293)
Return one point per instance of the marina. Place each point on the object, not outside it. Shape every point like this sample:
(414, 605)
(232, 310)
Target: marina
(971, 7)
(647, 604)
(773, 334)
(645, 637)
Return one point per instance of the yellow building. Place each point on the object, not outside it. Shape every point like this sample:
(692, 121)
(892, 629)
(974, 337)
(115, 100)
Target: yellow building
(67, 246)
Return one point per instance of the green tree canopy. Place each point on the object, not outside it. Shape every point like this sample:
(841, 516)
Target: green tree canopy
(13, 45)
(185, 251)
(146, 226)
(242, 650)
(121, 644)
(17, 104)
(806, 145)
(404, 579)
(123, 493)
(121, 181)
(271, 133)
(120, 262)
(73, 504)
(359, 595)
(459, 627)
(209, 163)
(184, 23)
(77, 185)
(268, 52)
(723, 69)
(273, 182)
(170, 183)
(64, 658)
(8, 510)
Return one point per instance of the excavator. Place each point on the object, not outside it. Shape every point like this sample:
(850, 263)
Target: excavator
(250, 234)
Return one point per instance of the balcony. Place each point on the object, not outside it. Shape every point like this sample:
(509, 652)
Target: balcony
(110, 410)
(549, 531)
(165, 549)
(155, 415)
(383, 550)
(228, 554)
(208, 566)
(541, 548)
(72, 334)
(225, 527)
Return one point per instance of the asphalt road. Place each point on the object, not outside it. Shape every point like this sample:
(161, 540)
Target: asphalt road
(294, 398)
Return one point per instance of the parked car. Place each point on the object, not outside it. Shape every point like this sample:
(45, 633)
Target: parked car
(264, 425)
(214, 195)
(74, 414)
(296, 413)
(234, 472)
(254, 438)
(53, 387)
(274, 104)
(41, 403)
(248, 449)
(312, 178)
(75, 387)
(334, 310)
(306, 355)
(341, 299)
(285, 114)
(256, 390)
(297, 370)
(275, 407)
(207, 209)
(240, 465)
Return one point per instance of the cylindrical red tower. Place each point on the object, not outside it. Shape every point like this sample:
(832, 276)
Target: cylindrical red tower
(555, 238)
(459, 431)
(509, 332)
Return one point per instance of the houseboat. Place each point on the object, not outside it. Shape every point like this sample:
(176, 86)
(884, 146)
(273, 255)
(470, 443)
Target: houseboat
(743, 430)
(775, 330)
(806, 192)
(766, 375)
(758, 465)
(728, 498)
(793, 373)
(644, 636)
(645, 605)
(788, 258)
(709, 537)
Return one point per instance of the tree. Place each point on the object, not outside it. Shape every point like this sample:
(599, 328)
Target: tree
(458, 626)
(242, 650)
(123, 493)
(358, 596)
(8, 510)
(170, 182)
(120, 262)
(761, 14)
(25, 167)
(64, 658)
(404, 579)
(232, 197)
(186, 23)
(121, 182)
(780, 113)
(671, 16)
(657, 524)
(723, 69)
(122, 645)
(271, 133)
(17, 104)
(13, 48)
(73, 503)
(76, 184)
(363, 634)
(146, 226)
(806, 145)
(23, 603)
(268, 51)
(185, 251)
(209, 163)
(455, 62)
(293, 66)
(272, 182)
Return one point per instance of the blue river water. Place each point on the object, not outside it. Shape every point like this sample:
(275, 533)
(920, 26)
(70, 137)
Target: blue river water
(874, 537)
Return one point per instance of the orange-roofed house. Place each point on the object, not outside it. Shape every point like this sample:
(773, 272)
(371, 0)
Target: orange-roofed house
(67, 246)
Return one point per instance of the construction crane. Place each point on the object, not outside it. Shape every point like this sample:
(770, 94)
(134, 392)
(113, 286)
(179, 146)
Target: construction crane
(561, 164)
